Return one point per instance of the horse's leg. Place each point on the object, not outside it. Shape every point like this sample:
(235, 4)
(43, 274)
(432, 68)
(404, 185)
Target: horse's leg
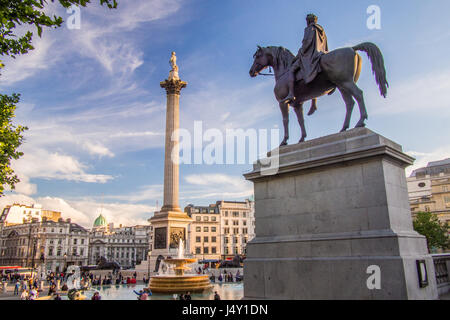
(284, 107)
(313, 107)
(298, 108)
(356, 92)
(349, 104)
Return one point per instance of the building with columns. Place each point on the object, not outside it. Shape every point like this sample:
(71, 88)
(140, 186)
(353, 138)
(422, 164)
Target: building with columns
(46, 244)
(128, 246)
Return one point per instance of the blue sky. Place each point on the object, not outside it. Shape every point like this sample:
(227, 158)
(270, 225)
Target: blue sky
(96, 113)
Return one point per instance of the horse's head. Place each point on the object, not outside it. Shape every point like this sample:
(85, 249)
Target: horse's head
(261, 61)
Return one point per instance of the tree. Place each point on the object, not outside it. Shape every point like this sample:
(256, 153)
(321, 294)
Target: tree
(428, 224)
(28, 13)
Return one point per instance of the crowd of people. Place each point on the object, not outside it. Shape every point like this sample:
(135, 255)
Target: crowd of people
(227, 277)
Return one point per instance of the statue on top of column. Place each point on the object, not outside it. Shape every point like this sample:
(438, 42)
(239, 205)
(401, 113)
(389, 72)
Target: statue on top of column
(173, 75)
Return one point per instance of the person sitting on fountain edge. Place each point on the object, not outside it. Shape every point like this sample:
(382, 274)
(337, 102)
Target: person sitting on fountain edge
(314, 45)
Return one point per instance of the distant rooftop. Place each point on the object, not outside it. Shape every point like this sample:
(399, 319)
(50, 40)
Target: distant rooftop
(433, 168)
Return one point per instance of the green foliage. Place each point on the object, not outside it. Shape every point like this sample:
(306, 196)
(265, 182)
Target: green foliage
(10, 140)
(26, 13)
(30, 12)
(428, 224)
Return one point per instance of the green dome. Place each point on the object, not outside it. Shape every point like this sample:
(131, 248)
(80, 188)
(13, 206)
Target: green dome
(100, 221)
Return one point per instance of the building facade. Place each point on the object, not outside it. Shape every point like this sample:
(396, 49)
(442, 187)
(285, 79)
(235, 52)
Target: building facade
(204, 232)
(221, 230)
(128, 246)
(33, 237)
(429, 190)
(46, 244)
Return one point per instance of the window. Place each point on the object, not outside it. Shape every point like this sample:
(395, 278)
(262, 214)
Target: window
(205, 229)
(244, 215)
(82, 241)
(198, 239)
(244, 230)
(50, 251)
(235, 230)
(226, 213)
(226, 230)
(213, 218)
(75, 241)
(444, 188)
(206, 250)
(205, 219)
(213, 229)
(421, 184)
(213, 239)
(198, 229)
(74, 251)
(235, 214)
(60, 230)
(244, 222)
(81, 252)
(213, 250)
(226, 239)
(226, 250)
(235, 222)
(198, 250)
(198, 218)
(205, 239)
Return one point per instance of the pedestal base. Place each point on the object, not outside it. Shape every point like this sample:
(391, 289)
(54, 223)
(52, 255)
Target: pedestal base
(335, 223)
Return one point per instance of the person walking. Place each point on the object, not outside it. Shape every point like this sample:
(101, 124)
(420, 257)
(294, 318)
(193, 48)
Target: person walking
(16, 288)
(216, 296)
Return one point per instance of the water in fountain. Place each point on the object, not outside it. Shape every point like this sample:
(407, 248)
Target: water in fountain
(180, 249)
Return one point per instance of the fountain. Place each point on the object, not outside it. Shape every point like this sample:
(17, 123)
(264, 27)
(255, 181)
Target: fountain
(180, 282)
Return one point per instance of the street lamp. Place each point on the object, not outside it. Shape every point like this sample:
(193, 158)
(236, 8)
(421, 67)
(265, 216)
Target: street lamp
(149, 255)
(65, 262)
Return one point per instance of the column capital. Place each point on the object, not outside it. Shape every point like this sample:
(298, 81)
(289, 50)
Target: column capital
(173, 86)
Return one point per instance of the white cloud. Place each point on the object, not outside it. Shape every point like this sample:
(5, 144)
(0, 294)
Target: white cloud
(144, 193)
(28, 65)
(39, 163)
(85, 211)
(97, 149)
(425, 93)
(216, 187)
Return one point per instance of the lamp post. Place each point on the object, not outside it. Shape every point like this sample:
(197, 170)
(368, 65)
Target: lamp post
(149, 255)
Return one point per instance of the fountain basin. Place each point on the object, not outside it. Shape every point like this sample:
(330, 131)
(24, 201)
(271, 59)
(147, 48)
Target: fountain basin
(180, 284)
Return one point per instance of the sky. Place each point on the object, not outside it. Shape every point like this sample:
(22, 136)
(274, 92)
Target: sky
(96, 113)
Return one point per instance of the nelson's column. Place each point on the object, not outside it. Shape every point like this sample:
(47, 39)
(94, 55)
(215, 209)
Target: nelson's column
(170, 224)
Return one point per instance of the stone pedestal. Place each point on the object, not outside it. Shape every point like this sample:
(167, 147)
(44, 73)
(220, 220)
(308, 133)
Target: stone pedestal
(336, 211)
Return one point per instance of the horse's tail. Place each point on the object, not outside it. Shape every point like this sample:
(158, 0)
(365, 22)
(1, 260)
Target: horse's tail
(376, 58)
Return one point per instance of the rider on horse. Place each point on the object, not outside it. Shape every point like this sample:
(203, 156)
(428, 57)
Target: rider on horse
(314, 45)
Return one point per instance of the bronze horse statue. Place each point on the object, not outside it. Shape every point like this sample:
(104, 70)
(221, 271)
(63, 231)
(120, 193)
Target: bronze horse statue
(340, 69)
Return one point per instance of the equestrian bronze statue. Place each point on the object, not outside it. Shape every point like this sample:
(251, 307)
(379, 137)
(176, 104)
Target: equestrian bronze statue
(315, 72)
